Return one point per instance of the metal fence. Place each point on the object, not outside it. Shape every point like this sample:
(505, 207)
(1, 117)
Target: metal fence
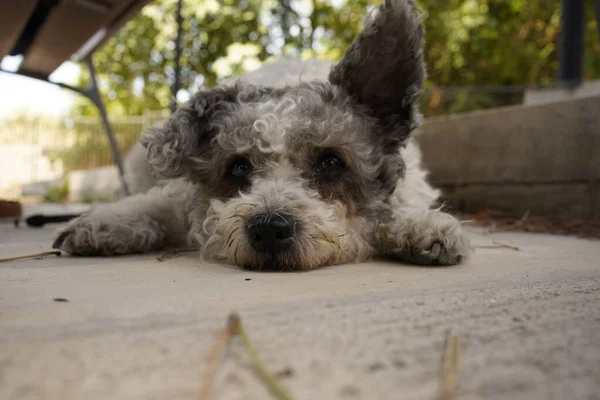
(34, 149)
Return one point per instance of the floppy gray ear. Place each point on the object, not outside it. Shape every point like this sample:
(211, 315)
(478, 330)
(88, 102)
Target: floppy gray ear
(383, 70)
(171, 145)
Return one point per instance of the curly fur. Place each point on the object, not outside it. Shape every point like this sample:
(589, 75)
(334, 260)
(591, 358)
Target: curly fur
(378, 204)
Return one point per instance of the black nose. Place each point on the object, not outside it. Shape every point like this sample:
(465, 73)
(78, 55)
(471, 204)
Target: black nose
(271, 233)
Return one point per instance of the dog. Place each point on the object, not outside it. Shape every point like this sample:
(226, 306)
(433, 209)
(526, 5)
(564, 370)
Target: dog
(293, 178)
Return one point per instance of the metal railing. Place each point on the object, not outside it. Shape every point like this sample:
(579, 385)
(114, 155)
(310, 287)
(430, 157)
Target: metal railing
(36, 149)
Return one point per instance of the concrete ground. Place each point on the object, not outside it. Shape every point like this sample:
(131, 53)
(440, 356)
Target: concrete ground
(137, 328)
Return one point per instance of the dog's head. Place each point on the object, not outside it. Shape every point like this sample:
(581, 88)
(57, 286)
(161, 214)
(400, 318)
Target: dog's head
(295, 178)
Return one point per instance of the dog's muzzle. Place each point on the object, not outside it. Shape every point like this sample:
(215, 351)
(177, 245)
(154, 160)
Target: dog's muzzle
(271, 233)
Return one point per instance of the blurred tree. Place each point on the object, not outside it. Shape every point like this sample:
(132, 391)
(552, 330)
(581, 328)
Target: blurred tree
(470, 42)
(496, 43)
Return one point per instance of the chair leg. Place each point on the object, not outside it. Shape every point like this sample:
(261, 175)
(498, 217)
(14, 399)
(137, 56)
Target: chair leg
(94, 95)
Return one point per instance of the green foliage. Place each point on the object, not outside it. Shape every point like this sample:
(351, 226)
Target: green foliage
(470, 42)
(58, 194)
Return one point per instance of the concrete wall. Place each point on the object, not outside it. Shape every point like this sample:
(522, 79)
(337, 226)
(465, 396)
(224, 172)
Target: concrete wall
(542, 158)
(548, 95)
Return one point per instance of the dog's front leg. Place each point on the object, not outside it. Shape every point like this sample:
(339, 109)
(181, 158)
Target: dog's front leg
(424, 237)
(137, 224)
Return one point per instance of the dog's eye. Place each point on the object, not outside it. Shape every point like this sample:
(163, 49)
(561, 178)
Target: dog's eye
(239, 168)
(330, 163)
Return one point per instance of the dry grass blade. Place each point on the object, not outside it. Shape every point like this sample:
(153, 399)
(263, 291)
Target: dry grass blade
(213, 358)
(36, 255)
(523, 220)
(498, 245)
(451, 367)
(234, 327)
(260, 369)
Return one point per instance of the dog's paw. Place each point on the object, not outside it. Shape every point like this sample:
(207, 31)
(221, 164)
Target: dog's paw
(437, 254)
(427, 238)
(63, 241)
(87, 236)
(78, 237)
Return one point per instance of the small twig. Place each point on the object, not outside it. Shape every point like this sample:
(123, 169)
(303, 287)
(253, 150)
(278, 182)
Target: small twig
(262, 372)
(497, 245)
(172, 253)
(213, 358)
(36, 255)
(451, 367)
(507, 246)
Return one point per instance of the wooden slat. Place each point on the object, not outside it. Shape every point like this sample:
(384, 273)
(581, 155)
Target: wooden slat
(13, 17)
(69, 26)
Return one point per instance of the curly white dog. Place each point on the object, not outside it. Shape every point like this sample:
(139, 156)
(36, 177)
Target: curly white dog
(293, 178)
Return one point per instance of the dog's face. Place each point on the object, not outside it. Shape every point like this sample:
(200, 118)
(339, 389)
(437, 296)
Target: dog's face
(297, 178)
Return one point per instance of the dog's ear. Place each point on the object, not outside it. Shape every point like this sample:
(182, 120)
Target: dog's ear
(187, 134)
(383, 70)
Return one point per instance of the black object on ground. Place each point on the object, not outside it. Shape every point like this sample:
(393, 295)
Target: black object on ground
(39, 220)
